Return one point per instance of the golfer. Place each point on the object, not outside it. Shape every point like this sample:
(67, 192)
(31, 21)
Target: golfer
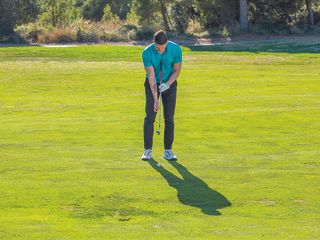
(162, 61)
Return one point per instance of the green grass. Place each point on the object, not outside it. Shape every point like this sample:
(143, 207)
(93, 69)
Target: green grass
(247, 138)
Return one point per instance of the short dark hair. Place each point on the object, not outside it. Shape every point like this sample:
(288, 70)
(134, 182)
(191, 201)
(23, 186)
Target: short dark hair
(160, 37)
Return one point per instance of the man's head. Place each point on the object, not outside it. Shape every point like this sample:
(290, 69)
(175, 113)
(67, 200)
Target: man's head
(160, 39)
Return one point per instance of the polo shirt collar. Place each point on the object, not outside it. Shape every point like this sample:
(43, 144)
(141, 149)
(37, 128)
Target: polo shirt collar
(155, 49)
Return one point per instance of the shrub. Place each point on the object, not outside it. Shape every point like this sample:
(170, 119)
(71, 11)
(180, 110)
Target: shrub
(84, 36)
(145, 33)
(29, 31)
(225, 32)
(12, 38)
(195, 27)
(127, 27)
(132, 35)
(58, 35)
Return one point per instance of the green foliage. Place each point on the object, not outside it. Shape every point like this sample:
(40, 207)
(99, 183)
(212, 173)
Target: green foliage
(217, 13)
(145, 10)
(132, 17)
(93, 9)
(58, 13)
(225, 32)
(128, 27)
(141, 33)
(120, 7)
(274, 15)
(264, 16)
(179, 13)
(145, 33)
(108, 15)
(14, 12)
(30, 31)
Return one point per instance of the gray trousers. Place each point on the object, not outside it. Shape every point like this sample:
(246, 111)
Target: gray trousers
(168, 105)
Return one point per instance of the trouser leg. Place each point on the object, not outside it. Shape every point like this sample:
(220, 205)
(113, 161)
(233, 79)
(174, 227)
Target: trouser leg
(169, 104)
(148, 126)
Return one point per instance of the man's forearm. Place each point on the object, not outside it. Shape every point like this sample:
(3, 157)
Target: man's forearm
(153, 87)
(173, 77)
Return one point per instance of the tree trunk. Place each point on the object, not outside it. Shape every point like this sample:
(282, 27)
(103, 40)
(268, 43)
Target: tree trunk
(310, 12)
(53, 16)
(165, 15)
(244, 15)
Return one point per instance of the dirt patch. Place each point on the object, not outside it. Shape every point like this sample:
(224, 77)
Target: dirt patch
(266, 202)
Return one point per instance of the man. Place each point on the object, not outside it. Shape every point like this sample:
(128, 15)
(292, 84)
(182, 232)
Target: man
(162, 61)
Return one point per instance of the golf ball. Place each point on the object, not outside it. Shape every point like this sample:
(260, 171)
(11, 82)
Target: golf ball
(158, 164)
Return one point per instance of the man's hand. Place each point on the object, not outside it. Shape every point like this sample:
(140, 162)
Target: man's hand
(156, 105)
(163, 87)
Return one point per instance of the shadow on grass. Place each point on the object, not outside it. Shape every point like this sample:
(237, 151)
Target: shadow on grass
(255, 47)
(192, 190)
(22, 45)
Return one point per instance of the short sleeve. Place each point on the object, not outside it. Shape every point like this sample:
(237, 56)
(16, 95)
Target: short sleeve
(146, 59)
(178, 55)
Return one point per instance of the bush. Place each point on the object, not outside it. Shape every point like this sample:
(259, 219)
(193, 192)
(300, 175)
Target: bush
(58, 35)
(89, 31)
(195, 27)
(145, 33)
(93, 9)
(14, 38)
(127, 27)
(29, 31)
(132, 35)
(85, 31)
(83, 36)
(225, 32)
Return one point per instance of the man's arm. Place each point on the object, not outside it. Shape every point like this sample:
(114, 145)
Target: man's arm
(153, 86)
(175, 74)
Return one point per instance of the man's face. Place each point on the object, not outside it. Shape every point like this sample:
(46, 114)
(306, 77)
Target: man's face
(161, 48)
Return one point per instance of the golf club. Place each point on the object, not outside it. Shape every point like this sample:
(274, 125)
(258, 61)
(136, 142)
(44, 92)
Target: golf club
(159, 112)
(160, 99)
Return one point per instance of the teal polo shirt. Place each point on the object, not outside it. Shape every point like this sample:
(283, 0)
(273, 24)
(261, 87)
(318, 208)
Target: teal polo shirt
(171, 55)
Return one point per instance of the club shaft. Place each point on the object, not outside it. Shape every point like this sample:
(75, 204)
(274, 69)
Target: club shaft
(159, 112)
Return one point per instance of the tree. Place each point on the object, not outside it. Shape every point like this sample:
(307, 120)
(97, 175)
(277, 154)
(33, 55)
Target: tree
(57, 12)
(120, 7)
(165, 15)
(218, 13)
(180, 15)
(14, 12)
(244, 15)
(93, 9)
(310, 12)
(145, 10)
(274, 15)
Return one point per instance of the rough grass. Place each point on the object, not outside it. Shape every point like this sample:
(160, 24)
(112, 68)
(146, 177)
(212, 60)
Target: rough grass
(247, 138)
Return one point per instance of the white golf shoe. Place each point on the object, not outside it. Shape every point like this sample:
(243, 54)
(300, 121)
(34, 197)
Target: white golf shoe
(168, 155)
(147, 155)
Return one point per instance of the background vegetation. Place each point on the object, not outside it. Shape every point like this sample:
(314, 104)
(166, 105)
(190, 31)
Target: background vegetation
(48, 21)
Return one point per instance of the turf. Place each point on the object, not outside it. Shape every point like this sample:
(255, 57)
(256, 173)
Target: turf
(247, 139)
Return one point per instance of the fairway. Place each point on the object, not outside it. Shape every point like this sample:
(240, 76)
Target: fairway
(246, 136)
